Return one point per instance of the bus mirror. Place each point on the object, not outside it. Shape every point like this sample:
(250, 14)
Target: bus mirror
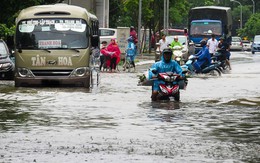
(95, 41)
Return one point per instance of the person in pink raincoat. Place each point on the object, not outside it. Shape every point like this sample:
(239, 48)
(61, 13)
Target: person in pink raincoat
(105, 56)
(115, 58)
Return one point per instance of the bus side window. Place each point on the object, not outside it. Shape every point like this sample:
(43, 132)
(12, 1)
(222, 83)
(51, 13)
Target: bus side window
(94, 34)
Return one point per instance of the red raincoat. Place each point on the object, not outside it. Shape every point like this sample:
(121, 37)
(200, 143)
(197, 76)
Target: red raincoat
(113, 47)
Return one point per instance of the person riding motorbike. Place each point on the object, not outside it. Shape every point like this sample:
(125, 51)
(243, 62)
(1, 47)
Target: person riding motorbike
(166, 64)
(175, 42)
(224, 47)
(203, 57)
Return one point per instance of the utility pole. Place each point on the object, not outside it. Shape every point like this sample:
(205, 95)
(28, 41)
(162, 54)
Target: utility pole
(253, 6)
(241, 16)
(167, 17)
(164, 16)
(139, 49)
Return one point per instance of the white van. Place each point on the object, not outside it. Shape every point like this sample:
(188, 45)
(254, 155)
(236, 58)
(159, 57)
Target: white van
(106, 34)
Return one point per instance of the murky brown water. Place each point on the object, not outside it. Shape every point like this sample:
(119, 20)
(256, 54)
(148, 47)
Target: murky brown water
(217, 120)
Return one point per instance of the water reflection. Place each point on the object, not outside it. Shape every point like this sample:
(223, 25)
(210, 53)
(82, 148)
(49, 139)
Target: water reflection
(10, 116)
(247, 102)
(237, 123)
(166, 105)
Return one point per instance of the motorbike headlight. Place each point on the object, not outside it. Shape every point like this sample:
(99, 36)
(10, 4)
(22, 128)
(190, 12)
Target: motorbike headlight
(173, 78)
(24, 72)
(5, 65)
(163, 90)
(178, 58)
(167, 78)
(177, 53)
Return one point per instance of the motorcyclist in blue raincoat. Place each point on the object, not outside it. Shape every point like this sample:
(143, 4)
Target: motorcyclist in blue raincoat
(203, 57)
(166, 64)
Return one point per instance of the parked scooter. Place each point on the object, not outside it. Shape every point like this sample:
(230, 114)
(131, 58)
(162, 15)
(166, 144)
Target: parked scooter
(172, 83)
(211, 70)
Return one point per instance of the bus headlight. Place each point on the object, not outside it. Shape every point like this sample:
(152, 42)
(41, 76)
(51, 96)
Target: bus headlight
(24, 72)
(81, 71)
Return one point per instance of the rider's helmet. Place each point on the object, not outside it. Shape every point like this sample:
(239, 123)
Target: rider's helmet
(175, 38)
(167, 54)
(203, 42)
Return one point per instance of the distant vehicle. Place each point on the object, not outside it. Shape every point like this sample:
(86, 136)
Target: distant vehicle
(171, 32)
(6, 62)
(256, 44)
(187, 47)
(106, 34)
(206, 20)
(247, 45)
(236, 43)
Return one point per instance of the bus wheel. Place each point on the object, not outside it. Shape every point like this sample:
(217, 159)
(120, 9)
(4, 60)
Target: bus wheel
(16, 84)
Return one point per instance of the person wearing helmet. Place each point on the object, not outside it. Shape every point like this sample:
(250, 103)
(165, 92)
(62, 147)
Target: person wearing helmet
(203, 57)
(166, 64)
(175, 42)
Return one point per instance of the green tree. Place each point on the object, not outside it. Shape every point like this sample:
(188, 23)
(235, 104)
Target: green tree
(9, 10)
(246, 13)
(178, 14)
(252, 27)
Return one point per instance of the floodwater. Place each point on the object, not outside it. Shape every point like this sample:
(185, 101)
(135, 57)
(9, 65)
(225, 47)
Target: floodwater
(217, 120)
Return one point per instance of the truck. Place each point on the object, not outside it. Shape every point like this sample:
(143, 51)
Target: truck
(207, 20)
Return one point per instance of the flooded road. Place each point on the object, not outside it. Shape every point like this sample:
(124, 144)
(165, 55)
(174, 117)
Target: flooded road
(217, 120)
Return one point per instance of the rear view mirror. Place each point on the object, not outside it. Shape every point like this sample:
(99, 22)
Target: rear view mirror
(95, 41)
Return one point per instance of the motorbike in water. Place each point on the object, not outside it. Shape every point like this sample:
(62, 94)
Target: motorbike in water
(220, 58)
(212, 70)
(178, 54)
(170, 85)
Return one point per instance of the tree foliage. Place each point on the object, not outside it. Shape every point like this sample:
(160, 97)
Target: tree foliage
(9, 10)
(252, 27)
(125, 12)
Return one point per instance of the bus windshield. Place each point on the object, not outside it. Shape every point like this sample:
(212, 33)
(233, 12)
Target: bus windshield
(56, 33)
(206, 28)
